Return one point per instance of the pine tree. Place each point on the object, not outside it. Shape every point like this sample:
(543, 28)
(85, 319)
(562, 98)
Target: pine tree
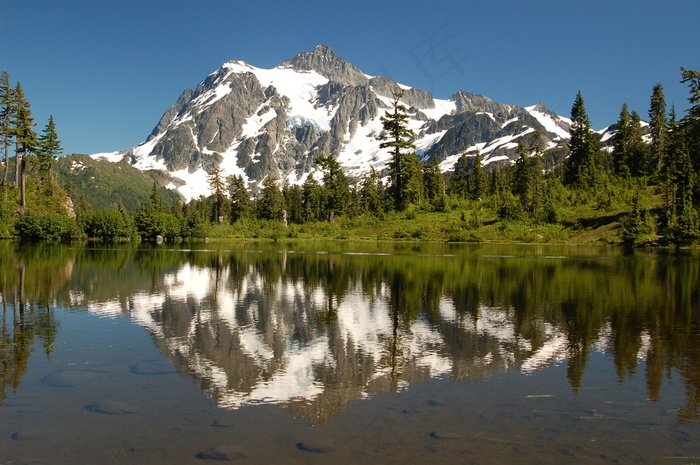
(271, 205)
(336, 189)
(217, 187)
(658, 125)
(690, 123)
(405, 171)
(434, 184)
(680, 181)
(293, 199)
(7, 115)
(580, 168)
(528, 173)
(459, 182)
(621, 143)
(25, 141)
(477, 178)
(312, 200)
(638, 153)
(371, 195)
(241, 205)
(49, 147)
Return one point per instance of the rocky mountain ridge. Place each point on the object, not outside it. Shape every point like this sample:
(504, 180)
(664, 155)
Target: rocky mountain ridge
(275, 122)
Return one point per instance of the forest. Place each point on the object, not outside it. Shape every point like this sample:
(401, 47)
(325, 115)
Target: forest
(641, 191)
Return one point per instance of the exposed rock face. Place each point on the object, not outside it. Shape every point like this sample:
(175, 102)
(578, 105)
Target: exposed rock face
(258, 123)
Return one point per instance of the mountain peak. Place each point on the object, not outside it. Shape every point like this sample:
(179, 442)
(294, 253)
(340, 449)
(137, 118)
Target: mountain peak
(327, 63)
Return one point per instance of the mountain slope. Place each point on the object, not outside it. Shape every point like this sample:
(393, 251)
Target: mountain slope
(275, 122)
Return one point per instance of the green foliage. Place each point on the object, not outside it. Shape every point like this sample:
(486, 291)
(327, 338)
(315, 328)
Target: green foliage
(241, 205)
(336, 189)
(580, 168)
(47, 226)
(271, 204)
(108, 224)
(637, 226)
(405, 170)
(105, 184)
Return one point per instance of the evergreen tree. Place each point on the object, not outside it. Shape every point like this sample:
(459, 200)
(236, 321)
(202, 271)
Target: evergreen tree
(680, 182)
(690, 123)
(637, 158)
(336, 189)
(293, 199)
(434, 184)
(241, 205)
(527, 175)
(580, 168)
(621, 144)
(459, 182)
(405, 171)
(271, 205)
(312, 200)
(217, 186)
(477, 178)
(658, 127)
(49, 147)
(25, 141)
(371, 195)
(7, 115)
(154, 202)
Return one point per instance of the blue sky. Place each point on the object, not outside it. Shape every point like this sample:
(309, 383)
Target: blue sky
(107, 71)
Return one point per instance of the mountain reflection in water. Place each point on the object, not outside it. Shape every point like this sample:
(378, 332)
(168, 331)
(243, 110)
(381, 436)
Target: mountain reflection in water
(316, 331)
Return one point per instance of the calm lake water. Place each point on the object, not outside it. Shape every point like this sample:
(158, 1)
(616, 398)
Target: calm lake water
(348, 353)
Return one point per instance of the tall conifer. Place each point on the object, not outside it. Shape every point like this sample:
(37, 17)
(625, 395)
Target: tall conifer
(658, 127)
(405, 171)
(580, 168)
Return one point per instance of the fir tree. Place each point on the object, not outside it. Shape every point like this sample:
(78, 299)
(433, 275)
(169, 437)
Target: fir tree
(25, 141)
(580, 168)
(371, 195)
(241, 205)
(217, 187)
(49, 147)
(680, 212)
(690, 123)
(293, 199)
(312, 200)
(405, 171)
(621, 143)
(271, 205)
(336, 189)
(459, 182)
(658, 127)
(637, 156)
(477, 178)
(7, 115)
(434, 184)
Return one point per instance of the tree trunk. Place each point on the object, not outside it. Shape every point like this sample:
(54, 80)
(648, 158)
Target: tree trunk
(23, 192)
(6, 168)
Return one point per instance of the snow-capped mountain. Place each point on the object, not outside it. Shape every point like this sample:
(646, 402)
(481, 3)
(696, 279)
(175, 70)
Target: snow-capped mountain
(275, 122)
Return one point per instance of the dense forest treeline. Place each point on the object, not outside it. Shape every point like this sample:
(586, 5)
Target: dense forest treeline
(643, 189)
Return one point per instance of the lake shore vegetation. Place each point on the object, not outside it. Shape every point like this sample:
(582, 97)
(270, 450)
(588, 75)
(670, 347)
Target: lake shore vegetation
(642, 189)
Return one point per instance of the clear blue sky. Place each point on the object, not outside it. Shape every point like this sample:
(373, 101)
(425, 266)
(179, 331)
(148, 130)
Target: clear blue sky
(107, 70)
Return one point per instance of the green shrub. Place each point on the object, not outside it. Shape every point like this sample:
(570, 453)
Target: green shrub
(108, 224)
(47, 226)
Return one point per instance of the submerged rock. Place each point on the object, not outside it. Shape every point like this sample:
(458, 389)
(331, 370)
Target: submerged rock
(111, 407)
(227, 452)
(314, 447)
(153, 367)
(68, 379)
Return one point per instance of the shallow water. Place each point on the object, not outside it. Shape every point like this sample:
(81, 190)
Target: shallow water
(348, 353)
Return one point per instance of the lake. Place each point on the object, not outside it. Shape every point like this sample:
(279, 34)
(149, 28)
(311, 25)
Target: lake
(347, 353)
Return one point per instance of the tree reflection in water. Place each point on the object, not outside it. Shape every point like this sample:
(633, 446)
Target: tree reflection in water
(313, 332)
